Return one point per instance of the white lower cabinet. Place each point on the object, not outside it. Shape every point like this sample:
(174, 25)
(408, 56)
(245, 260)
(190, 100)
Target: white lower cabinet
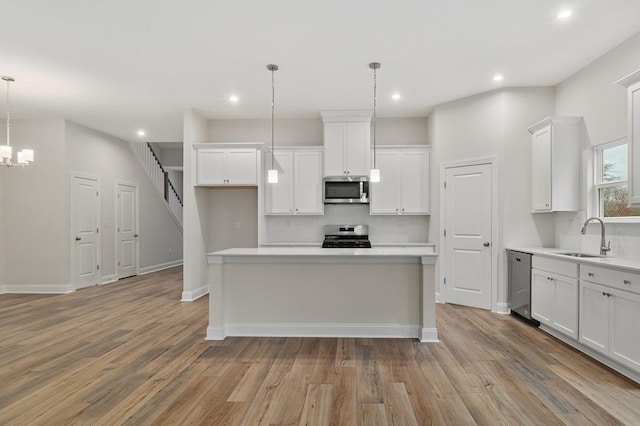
(554, 294)
(610, 315)
(299, 187)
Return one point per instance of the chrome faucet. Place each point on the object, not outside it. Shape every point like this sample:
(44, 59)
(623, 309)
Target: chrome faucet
(604, 248)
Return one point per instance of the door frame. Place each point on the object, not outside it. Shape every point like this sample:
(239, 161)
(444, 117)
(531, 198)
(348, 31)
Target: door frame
(496, 244)
(118, 182)
(72, 265)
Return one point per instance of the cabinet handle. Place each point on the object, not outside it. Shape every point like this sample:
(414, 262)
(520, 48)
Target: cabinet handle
(403, 210)
(604, 294)
(590, 274)
(627, 282)
(549, 279)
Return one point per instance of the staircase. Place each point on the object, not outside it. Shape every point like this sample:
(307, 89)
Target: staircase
(159, 178)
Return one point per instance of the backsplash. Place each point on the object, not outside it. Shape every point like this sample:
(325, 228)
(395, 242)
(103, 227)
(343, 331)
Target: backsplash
(382, 229)
(624, 237)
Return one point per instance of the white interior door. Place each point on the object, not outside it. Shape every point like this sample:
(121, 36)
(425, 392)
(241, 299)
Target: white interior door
(468, 252)
(85, 210)
(127, 229)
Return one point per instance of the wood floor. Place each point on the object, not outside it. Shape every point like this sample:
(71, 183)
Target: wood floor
(132, 353)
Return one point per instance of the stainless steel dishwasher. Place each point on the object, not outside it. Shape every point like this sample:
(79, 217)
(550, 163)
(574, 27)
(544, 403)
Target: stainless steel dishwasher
(520, 285)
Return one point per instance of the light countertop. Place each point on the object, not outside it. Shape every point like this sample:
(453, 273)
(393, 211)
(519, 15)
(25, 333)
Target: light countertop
(384, 251)
(610, 261)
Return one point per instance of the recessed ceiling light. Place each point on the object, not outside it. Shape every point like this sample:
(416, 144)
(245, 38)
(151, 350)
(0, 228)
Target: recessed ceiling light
(233, 98)
(498, 77)
(395, 96)
(565, 14)
(141, 133)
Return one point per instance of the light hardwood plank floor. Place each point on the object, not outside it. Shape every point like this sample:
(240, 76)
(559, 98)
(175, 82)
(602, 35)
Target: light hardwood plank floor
(131, 353)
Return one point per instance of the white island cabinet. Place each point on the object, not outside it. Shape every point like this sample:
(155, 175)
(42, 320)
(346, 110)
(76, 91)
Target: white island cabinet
(316, 292)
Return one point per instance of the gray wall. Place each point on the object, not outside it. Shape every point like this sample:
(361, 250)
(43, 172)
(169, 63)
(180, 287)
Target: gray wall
(494, 124)
(35, 219)
(111, 159)
(35, 203)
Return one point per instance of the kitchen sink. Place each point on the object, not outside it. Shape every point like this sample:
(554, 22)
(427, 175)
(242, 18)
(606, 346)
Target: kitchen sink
(578, 254)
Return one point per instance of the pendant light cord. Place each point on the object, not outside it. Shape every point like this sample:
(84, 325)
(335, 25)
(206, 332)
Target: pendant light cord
(273, 100)
(375, 87)
(8, 115)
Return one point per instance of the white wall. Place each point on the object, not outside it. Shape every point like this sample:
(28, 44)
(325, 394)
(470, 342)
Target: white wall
(195, 217)
(35, 202)
(2, 238)
(96, 153)
(590, 93)
(232, 218)
(489, 125)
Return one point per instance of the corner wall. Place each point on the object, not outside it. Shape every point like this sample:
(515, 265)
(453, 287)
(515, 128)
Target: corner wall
(109, 158)
(590, 93)
(494, 124)
(35, 204)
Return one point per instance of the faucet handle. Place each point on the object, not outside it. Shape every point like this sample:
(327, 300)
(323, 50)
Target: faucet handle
(607, 247)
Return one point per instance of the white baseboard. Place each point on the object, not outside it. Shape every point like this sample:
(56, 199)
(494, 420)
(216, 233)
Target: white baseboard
(502, 308)
(215, 333)
(622, 369)
(190, 296)
(39, 288)
(429, 335)
(318, 330)
(108, 279)
(160, 267)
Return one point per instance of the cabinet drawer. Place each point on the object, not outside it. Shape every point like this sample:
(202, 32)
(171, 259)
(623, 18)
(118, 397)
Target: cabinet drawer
(569, 269)
(622, 280)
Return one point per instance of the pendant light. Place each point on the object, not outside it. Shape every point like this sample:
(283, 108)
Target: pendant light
(374, 175)
(272, 176)
(25, 156)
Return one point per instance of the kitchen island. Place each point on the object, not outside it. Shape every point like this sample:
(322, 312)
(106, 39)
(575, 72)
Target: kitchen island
(316, 292)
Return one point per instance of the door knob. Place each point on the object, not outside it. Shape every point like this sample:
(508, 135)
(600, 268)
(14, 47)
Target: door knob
(486, 244)
(136, 235)
(78, 238)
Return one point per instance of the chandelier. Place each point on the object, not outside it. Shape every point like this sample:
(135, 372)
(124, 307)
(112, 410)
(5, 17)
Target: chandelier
(23, 157)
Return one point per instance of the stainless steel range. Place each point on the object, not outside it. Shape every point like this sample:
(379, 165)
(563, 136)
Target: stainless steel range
(346, 236)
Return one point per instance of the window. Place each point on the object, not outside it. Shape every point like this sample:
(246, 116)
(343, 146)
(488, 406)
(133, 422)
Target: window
(611, 180)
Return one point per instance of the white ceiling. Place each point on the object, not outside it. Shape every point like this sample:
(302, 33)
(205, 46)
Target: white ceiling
(118, 66)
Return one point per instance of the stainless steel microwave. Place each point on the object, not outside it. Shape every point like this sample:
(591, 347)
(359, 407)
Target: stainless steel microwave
(346, 190)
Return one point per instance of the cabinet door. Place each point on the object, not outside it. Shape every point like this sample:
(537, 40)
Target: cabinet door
(541, 297)
(334, 139)
(415, 182)
(541, 170)
(565, 305)
(308, 183)
(594, 316)
(357, 148)
(634, 144)
(625, 322)
(210, 167)
(242, 167)
(280, 195)
(385, 195)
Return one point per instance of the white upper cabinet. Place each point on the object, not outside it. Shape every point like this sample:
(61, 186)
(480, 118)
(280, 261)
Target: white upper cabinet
(555, 168)
(226, 164)
(404, 181)
(347, 139)
(632, 83)
(299, 187)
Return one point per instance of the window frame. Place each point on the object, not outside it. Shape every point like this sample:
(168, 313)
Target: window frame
(598, 183)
